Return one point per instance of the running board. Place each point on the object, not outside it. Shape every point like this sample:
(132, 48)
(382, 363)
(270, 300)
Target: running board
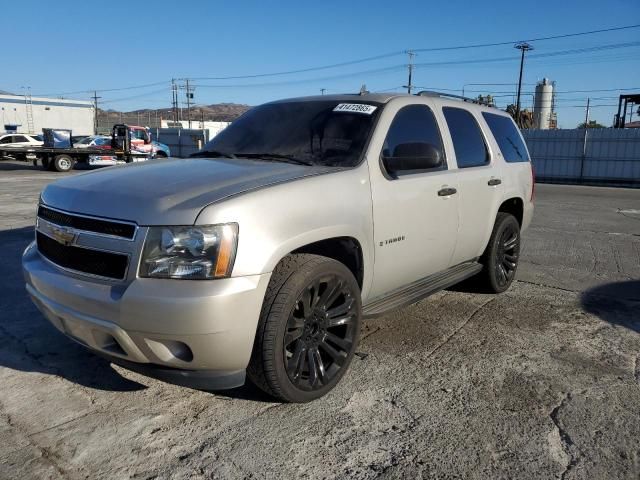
(421, 289)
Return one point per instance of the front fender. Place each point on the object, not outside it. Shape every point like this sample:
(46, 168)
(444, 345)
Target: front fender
(277, 220)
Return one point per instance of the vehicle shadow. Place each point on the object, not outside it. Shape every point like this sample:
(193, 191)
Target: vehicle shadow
(13, 165)
(617, 303)
(29, 343)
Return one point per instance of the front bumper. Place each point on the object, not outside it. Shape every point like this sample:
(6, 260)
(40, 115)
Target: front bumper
(176, 330)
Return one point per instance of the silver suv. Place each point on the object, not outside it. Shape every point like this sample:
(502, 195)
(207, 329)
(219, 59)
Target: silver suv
(261, 255)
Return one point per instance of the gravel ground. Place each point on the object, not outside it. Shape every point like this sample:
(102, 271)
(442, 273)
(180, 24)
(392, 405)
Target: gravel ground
(540, 382)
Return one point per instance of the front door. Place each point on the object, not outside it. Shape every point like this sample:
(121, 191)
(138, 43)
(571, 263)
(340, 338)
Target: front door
(415, 212)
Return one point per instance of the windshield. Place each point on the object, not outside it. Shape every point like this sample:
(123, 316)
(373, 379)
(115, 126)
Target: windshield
(314, 132)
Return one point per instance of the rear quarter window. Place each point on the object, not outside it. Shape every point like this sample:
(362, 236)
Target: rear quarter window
(508, 137)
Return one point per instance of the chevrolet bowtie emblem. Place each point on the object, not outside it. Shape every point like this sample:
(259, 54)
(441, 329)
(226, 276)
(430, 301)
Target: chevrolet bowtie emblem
(65, 236)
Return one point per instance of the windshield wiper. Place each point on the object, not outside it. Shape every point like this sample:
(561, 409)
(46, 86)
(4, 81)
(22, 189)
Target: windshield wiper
(212, 153)
(276, 157)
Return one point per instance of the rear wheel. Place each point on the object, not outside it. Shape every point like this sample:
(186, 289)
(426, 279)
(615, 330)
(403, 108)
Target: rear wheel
(500, 259)
(63, 163)
(308, 330)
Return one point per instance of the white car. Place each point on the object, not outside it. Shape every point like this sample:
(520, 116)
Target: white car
(21, 139)
(262, 253)
(94, 141)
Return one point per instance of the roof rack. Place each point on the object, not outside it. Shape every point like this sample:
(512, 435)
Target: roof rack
(433, 93)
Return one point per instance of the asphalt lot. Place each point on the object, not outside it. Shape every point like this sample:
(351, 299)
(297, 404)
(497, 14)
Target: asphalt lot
(540, 382)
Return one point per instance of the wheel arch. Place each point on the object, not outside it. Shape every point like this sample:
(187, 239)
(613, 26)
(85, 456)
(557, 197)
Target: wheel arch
(513, 206)
(346, 250)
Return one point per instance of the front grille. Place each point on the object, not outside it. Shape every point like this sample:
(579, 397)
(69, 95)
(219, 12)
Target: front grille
(106, 227)
(93, 262)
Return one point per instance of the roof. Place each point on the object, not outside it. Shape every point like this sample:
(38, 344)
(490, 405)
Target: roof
(56, 102)
(386, 97)
(346, 97)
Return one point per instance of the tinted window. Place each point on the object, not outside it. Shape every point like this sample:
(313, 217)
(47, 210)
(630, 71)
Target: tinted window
(39, 138)
(20, 138)
(468, 143)
(5, 140)
(315, 132)
(508, 137)
(412, 124)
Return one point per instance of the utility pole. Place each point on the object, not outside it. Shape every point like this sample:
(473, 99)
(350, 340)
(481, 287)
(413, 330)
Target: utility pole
(523, 47)
(174, 100)
(409, 85)
(95, 112)
(586, 117)
(189, 94)
(189, 97)
(322, 90)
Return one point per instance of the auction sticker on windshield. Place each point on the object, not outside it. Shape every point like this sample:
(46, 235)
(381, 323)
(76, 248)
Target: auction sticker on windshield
(355, 108)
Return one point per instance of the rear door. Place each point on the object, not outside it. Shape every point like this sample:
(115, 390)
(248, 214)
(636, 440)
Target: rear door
(415, 212)
(479, 180)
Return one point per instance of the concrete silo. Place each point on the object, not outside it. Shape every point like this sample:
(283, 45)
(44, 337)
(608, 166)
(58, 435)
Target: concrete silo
(543, 107)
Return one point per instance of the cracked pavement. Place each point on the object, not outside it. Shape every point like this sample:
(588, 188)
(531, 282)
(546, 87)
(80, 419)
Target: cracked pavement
(539, 382)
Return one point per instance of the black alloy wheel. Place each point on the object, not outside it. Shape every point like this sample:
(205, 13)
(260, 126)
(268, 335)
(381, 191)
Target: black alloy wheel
(320, 333)
(500, 259)
(308, 329)
(506, 259)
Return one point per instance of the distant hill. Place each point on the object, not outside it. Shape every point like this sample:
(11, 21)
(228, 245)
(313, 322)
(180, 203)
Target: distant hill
(218, 112)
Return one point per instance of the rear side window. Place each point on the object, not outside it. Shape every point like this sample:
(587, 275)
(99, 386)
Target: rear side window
(20, 139)
(508, 137)
(468, 142)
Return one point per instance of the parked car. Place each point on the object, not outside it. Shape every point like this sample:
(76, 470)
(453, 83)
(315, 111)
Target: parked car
(161, 150)
(20, 139)
(94, 141)
(262, 254)
(11, 143)
(77, 138)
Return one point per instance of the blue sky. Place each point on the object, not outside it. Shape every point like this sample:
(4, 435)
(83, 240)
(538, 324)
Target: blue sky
(77, 46)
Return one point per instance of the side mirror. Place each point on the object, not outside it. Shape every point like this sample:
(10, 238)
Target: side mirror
(413, 156)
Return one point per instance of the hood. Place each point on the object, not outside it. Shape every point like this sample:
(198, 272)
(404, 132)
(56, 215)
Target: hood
(167, 192)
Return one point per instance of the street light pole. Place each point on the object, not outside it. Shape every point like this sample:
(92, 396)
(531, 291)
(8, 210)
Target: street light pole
(523, 47)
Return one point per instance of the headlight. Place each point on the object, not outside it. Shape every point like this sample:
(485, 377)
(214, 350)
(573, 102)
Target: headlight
(198, 252)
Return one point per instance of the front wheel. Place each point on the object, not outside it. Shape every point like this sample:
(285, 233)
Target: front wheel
(500, 259)
(308, 330)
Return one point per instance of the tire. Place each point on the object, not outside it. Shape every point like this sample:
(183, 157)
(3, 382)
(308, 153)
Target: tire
(500, 259)
(63, 163)
(299, 353)
(161, 154)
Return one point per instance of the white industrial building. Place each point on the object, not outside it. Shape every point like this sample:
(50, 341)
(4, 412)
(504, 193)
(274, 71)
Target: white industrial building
(213, 128)
(26, 114)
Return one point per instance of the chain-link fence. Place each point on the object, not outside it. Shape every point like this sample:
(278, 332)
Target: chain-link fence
(106, 120)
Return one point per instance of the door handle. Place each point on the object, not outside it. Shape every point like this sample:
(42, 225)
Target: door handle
(494, 181)
(445, 192)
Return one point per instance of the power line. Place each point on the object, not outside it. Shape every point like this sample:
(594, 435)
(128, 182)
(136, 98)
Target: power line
(103, 90)
(430, 49)
(368, 59)
(420, 65)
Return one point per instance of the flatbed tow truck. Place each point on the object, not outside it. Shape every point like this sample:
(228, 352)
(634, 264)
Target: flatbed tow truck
(128, 144)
